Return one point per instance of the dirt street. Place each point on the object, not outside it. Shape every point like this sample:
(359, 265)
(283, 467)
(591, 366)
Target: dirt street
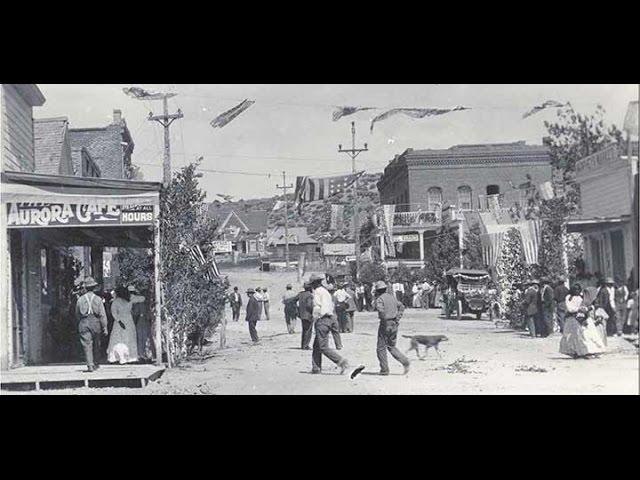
(478, 359)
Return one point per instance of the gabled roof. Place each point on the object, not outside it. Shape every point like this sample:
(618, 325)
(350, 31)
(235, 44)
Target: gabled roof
(255, 222)
(297, 236)
(49, 137)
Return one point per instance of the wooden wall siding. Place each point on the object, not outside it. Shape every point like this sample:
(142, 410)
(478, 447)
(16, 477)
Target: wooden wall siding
(607, 195)
(17, 131)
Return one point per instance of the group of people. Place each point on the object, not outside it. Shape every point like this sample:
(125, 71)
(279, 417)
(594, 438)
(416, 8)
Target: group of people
(585, 317)
(122, 320)
(330, 309)
(411, 294)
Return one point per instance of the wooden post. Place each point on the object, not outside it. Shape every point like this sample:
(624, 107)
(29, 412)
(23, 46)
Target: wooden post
(158, 284)
(382, 248)
(223, 332)
(421, 240)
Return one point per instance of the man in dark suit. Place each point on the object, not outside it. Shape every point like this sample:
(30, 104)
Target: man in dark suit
(235, 300)
(531, 307)
(253, 315)
(559, 296)
(305, 312)
(546, 313)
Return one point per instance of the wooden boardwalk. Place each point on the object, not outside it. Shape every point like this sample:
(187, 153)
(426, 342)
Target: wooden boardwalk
(70, 376)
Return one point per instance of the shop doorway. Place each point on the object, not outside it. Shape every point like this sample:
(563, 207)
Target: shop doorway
(617, 254)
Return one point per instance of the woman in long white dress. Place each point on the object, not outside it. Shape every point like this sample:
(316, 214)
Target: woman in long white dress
(123, 343)
(580, 337)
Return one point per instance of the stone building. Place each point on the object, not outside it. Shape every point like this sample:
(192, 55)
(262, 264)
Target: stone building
(434, 188)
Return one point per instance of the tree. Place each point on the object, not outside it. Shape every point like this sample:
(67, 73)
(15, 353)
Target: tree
(371, 272)
(472, 253)
(192, 305)
(511, 273)
(445, 254)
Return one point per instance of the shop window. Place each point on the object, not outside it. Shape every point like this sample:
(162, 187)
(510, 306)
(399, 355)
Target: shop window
(434, 198)
(464, 197)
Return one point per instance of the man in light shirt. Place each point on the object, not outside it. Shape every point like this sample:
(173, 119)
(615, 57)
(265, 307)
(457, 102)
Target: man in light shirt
(324, 315)
(341, 298)
(398, 290)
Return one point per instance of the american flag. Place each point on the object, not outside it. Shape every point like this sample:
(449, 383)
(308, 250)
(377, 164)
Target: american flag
(311, 189)
(211, 268)
(491, 246)
(530, 235)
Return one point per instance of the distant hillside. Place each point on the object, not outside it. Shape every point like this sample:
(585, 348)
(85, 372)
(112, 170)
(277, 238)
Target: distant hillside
(316, 216)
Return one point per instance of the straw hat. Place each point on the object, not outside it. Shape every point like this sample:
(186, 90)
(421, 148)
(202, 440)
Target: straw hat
(90, 282)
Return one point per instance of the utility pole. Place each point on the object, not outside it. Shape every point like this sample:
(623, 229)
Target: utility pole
(353, 152)
(284, 188)
(166, 120)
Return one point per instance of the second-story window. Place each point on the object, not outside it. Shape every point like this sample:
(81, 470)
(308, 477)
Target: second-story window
(464, 197)
(434, 198)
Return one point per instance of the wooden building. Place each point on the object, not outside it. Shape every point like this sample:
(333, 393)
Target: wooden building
(606, 179)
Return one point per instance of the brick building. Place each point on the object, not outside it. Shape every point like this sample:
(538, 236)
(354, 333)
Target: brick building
(52, 146)
(433, 188)
(110, 147)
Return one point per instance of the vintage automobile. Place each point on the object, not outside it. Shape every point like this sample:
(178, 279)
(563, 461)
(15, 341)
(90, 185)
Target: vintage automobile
(467, 292)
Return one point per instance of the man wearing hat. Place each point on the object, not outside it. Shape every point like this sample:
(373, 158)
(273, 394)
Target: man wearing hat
(606, 299)
(546, 302)
(531, 308)
(324, 316)
(253, 314)
(389, 312)
(305, 312)
(235, 300)
(289, 300)
(92, 323)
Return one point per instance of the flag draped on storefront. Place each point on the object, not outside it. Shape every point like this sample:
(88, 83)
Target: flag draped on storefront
(337, 216)
(546, 190)
(211, 268)
(530, 235)
(311, 189)
(547, 104)
(415, 113)
(226, 117)
(344, 111)
(387, 225)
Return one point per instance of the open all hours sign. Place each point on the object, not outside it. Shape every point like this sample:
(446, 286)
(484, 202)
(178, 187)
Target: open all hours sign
(25, 215)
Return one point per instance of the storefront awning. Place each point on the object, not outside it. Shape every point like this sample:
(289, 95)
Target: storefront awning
(44, 201)
(19, 187)
(586, 225)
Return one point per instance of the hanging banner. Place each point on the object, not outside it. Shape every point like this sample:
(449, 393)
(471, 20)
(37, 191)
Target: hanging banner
(36, 215)
(337, 216)
(338, 249)
(221, 246)
(387, 225)
(411, 237)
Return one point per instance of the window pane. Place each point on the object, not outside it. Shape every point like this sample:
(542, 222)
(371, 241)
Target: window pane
(464, 198)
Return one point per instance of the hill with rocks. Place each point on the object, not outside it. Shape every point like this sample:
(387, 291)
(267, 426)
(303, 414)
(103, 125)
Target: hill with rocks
(316, 216)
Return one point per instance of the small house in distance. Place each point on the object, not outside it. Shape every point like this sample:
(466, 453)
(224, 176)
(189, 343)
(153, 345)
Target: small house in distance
(246, 231)
(299, 242)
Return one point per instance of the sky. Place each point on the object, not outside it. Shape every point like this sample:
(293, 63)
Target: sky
(290, 127)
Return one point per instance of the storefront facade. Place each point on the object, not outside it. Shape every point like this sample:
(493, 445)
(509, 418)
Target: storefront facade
(42, 218)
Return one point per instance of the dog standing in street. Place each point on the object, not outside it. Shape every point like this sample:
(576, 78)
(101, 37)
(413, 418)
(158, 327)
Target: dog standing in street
(428, 341)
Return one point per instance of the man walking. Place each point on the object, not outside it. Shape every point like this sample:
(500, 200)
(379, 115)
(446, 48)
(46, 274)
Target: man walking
(389, 312)
(253, 314)
(235, 300)
(530, 304)
(265, 302)
(305, 312)
(351, 309)
(92, 324)
(560, 296)
(289, 300)
(546, 300)
(325, 322)
(340, 298)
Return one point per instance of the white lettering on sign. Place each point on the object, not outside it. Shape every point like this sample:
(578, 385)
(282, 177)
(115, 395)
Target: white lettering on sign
(44, 214)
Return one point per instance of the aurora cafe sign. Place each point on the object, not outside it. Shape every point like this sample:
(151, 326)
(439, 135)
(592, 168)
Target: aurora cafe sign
(25, 215)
